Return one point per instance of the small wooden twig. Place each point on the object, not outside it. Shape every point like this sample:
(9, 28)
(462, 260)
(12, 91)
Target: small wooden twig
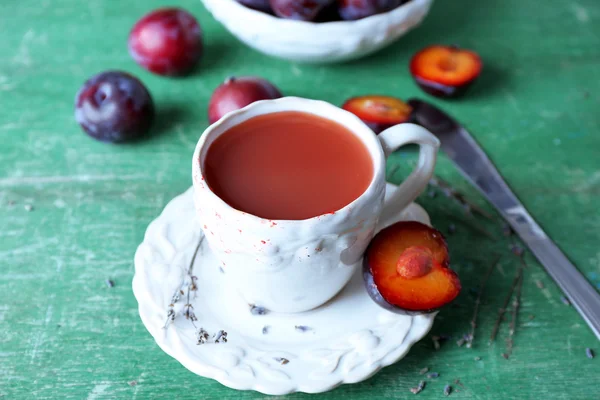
(471, 336)
(188, 308)
(502, 310)
(393, 172)
(189, 283)
(472, 223)
(515, 310)
(449, 191)
(193, 260)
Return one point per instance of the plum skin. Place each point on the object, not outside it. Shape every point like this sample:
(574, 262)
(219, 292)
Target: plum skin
(236, 93)
(395, 245)
(260, 5)
(300, 10)
(377, 123)
(439, 88)
(114, 106)
(166, 41)
(357, 9)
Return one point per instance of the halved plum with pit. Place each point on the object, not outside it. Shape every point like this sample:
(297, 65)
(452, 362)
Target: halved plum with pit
(379, 112)
(445, 71)
(409, 263)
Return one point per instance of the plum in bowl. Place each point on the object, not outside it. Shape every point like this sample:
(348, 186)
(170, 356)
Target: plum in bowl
(317, 42)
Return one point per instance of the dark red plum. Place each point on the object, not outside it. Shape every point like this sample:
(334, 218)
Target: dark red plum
(260, 5)
(329, 13)
(114, 106)
(301, 10)
(166, 41)
(236, 93)
(358, 9)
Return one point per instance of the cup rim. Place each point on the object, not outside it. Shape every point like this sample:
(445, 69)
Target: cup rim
(366, 136)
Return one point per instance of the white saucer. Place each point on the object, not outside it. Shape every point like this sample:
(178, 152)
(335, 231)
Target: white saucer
(346, 340)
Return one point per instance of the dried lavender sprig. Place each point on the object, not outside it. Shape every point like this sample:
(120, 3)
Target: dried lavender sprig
(451, 229)
(517, 250)
(202, 336)
(589, 353)
(393, 172)
(502, 310)
(539, 284)
(515, 311)
(468, 338)
(447, 390)
(171, 314)
(478, 300)
(436, 342)
(193, 287)
(473, 224)
(188, 309)
(518, 285)
(188, 312)
(449, 191)
(257, 310)
(419, 388)
(170, 317)
(302, 328)
(220, 337)
(192, 261)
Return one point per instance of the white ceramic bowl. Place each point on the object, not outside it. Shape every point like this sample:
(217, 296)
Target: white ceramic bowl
(312, 42)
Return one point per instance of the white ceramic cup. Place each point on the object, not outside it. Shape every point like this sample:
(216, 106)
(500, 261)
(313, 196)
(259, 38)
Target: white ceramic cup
(297, 265)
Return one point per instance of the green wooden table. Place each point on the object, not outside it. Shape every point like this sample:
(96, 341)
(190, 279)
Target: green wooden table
(64, 334)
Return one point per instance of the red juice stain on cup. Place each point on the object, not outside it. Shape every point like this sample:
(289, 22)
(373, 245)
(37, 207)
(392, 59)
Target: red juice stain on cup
(288, 165)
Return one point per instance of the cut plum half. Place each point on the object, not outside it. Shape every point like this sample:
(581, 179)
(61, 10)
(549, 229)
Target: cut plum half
(409, 264)
(379, 112)
(445, 71)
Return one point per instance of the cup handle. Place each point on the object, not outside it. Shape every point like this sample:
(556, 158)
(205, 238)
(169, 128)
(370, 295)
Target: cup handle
(400, 135)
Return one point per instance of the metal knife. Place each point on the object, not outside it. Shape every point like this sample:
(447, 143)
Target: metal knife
(474, 164)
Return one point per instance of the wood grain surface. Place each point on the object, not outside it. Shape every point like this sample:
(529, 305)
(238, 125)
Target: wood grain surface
(64, 334)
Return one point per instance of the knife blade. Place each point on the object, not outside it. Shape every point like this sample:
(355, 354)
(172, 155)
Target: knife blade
(477, 168)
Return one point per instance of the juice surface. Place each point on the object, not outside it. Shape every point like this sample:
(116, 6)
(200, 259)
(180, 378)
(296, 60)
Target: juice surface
(288, 165)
